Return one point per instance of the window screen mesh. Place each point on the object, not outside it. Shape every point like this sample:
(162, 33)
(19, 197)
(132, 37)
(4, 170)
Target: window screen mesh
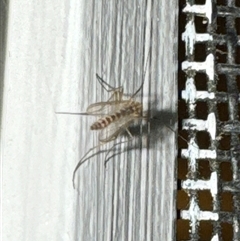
(208, 199)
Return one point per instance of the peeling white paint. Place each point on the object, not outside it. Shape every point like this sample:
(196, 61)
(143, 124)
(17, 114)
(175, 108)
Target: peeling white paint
(202, 10)
(206, 66)
(202, 154)
(191, 96)
(211, 125)
(190, 93)
(190, 37)
(205, 95)
(195, 214)
(193, 152)
(202, 184)
(235, 224)
(201, 125)
(202, 95)
(215, 238)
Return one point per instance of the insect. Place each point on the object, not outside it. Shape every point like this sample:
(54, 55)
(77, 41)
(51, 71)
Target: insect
(116, 114)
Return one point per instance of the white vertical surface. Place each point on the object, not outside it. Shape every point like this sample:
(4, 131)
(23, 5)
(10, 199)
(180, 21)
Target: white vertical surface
(54, 48)
(39, 149)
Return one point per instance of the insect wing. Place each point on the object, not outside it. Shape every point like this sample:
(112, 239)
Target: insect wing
(106, 108)
(112, 131)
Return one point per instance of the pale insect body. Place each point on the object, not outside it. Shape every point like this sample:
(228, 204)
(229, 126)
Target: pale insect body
(116, 115)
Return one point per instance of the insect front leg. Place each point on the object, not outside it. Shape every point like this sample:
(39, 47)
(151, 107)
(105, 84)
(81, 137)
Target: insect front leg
(104, 84)
(117, 92)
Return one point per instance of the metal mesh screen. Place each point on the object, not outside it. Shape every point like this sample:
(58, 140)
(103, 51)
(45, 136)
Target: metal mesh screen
(208, 198)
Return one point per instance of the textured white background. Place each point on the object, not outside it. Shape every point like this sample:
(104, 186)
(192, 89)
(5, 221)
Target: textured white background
(54, 48)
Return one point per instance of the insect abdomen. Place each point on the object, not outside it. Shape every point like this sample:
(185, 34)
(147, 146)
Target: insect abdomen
(134, 108)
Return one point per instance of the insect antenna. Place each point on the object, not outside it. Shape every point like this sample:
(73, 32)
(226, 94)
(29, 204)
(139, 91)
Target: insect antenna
(73, 113)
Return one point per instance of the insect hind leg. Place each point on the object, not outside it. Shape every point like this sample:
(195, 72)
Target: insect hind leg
(106, 160)
(82, 160)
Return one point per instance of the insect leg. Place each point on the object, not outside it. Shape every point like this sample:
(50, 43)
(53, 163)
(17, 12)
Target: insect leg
(82, 160)
(170, 128)
(129, 133)
(143, 76)
(116, 144)
(103, 83)
(117, 92)
(116, 96)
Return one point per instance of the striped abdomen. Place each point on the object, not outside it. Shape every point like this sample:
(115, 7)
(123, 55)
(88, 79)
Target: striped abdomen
(134, 108)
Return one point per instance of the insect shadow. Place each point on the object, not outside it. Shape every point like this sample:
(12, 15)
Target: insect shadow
(152, 130)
